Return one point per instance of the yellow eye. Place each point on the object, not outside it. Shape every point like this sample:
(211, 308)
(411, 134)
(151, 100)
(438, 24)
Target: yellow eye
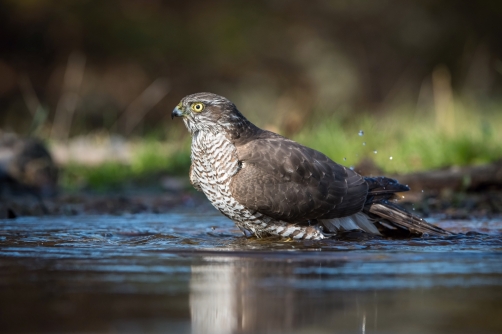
(197, 107)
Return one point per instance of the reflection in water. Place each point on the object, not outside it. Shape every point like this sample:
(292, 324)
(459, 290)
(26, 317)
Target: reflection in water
(231, 295)
(241, 295)
(255, 295)
(214, 299)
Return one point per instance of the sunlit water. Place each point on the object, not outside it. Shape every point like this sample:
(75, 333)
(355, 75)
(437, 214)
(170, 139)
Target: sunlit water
(183, 273)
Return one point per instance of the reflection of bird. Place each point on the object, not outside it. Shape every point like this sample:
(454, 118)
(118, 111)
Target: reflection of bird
(270, 185)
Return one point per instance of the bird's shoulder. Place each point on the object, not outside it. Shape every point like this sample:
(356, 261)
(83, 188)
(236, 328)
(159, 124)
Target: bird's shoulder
(270, 149)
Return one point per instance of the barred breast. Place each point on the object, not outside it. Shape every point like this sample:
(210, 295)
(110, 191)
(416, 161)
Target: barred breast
(214, 162)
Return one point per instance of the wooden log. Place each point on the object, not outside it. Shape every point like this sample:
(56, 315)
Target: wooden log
(455, 178)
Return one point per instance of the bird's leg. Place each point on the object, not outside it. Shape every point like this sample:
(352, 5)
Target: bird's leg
(247, 233)
(320, 227)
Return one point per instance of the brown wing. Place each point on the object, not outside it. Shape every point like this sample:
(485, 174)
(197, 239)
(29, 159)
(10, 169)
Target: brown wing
(285, 180)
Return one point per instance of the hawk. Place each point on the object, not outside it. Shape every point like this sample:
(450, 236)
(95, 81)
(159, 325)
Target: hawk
(270, 185)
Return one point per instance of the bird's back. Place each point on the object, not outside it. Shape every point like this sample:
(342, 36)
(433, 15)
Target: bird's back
(286, 180)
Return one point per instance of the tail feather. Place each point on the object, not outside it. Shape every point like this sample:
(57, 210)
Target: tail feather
(382, 188)
(381, 217)
(390, 218)
(358, 221)
(386, 214)
(384, 185)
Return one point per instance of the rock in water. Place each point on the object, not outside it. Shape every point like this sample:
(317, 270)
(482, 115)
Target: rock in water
(26, 167)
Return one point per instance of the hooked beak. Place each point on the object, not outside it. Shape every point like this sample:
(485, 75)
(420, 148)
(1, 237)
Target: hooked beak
(177, 112)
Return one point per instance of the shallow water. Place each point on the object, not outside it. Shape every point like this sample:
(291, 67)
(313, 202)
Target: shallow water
(182, 273)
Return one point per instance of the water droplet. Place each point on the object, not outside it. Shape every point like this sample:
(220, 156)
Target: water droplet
(413, 209)
(375, 151)
(351, 167)
(390, 158)
(364, 143)
(344, 159)
(361, 133)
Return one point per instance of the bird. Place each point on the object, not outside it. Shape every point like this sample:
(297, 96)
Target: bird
(270, 185)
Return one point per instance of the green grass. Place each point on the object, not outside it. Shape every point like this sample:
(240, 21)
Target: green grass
(150, 159)
(414, 140)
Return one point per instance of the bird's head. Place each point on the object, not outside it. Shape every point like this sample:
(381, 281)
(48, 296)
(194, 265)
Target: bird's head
(208, 112)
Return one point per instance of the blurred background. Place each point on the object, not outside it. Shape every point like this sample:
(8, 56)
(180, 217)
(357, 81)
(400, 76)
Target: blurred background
(408, 85)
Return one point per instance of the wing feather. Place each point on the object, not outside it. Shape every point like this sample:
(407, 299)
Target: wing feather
(285, 180)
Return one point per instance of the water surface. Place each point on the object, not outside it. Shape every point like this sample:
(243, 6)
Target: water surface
(189, 273)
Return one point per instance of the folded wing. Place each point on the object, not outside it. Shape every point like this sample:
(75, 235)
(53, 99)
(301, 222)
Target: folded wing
(285, 180)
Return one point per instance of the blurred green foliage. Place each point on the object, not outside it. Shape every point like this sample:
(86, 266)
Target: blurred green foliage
(398, 141)
(402, 141)
(150, 162)
(316, 71)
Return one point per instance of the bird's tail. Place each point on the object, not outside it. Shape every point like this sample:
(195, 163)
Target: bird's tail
(389, 218)
(381, 217)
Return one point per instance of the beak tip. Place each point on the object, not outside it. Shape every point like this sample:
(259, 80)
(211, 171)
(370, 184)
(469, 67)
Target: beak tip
(176, 113)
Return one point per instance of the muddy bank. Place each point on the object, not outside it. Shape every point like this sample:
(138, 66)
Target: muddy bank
(29, 187)
(457, 205)
(107, 203)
